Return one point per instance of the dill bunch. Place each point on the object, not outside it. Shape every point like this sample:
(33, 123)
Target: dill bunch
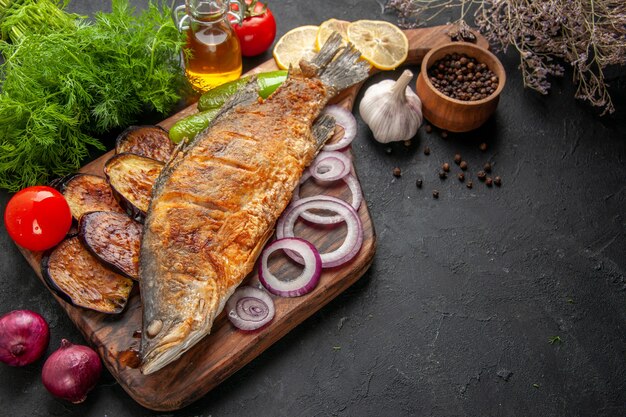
(61, 87)
(588, 35)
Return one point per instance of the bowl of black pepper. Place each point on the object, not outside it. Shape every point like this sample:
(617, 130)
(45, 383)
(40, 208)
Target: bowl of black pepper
(459, 85)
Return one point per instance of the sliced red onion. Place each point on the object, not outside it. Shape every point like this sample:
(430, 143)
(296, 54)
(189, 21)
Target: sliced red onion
(330, 166)
(303, 283)
(357, 199)
(250, 308)
(353, 240)
(345, 119)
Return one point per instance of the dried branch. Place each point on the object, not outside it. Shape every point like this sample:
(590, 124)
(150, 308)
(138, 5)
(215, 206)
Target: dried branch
(588, 35)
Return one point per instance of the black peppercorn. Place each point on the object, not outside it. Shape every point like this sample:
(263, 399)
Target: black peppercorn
(463, 165)
(457, 159)
(497, 181)
(429, 128)
(427, 151)
(397, 172)
(487, 167)
(456, 70)
(418, 183)
(435, 194)
(481, 175)
(470, 184)
(461, 177)
(446, 167)
(483, 146)
(442, 175)
(488, 181)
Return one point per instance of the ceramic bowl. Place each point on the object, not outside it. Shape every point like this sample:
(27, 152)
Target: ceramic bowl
(451, 114)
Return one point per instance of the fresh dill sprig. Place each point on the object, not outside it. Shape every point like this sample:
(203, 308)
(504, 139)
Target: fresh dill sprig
(62, 86)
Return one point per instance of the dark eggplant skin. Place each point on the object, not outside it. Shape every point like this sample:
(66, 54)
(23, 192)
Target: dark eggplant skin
(113, 238)
(150, 141)
(131, 178)
(74, 274)
(87, 192)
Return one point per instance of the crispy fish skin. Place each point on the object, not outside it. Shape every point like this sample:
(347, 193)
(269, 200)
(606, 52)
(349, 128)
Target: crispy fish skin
(215, 206)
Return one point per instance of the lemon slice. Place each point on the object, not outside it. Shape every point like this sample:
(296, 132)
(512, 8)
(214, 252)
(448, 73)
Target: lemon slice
(328, 27)
(294, 45)
(381, 43)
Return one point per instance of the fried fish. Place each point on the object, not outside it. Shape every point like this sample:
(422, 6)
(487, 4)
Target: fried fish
(216, 202)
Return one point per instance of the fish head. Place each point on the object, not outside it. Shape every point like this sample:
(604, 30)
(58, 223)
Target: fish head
(164, 342)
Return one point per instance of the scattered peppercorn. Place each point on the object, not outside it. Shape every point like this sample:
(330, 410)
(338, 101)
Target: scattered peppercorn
(461, 176)
(418, 183)
(457, 158)
(446, 167)
(427, 151)
(444, 134)
(488, 181)
(481, 175)
(483, 146)
(429, 128)
(497, 181)
(470, 184)
(388, 150)
(442, 175)
(487, 167)
(407, 143)
(435, 194)
(463, 165)
(397, 172)
(462, 78)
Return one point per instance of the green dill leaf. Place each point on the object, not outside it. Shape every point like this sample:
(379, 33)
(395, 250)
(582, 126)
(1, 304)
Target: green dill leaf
(67, 81)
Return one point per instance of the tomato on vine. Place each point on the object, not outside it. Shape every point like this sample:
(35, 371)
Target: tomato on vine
(257, 31)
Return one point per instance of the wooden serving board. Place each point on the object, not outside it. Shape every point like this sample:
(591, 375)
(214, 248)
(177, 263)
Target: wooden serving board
(226, 349)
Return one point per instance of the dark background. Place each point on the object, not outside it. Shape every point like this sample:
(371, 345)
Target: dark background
(455, 315)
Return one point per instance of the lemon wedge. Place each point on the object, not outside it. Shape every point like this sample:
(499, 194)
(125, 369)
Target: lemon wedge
(381, 43)
(294, 45)
(327, 28)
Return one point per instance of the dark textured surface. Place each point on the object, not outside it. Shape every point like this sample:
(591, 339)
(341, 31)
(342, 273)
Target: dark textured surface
(454, 317)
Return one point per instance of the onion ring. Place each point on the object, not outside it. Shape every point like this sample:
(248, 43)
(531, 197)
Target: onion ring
(250, 308)
(353, 240)
(345, 119)
(302, 284)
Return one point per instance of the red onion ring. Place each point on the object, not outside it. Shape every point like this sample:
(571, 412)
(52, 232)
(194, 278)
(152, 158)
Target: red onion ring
(302, 284)
(357, 199)
(250, 308)
(330, 166)
(354, 238)
(345, 119)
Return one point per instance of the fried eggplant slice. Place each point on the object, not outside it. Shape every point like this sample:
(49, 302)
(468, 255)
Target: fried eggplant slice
(113, 238)
(131, 178)
(149, 141)
(77, 276)
(86, 192)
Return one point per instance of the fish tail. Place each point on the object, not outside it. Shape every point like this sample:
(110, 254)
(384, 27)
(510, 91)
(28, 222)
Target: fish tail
(345, 70)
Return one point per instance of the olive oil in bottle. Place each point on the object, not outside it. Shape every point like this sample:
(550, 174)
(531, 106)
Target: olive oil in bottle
(212, 54)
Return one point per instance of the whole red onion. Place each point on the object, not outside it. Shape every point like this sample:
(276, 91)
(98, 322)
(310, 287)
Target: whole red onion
(24, 337)
(71, 372)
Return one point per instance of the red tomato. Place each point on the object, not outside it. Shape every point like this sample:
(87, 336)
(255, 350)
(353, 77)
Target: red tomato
(37, 218)
(258, 29)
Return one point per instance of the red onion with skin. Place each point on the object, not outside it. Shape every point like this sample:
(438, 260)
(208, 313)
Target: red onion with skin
(71, 372)
(24, 337)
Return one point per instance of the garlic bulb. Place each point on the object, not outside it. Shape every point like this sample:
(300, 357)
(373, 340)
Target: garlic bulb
(392, 110)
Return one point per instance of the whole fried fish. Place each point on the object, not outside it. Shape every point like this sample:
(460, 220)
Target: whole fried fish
(216, 202)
